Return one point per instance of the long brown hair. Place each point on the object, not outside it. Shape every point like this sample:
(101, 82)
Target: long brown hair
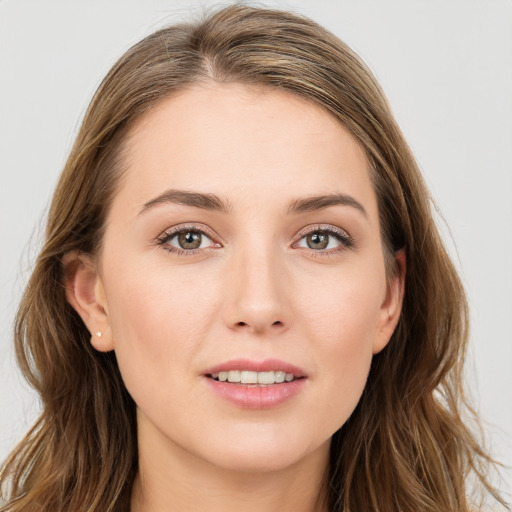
(406, 446)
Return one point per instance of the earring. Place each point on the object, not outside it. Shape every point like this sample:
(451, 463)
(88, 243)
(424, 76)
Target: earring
(99, 334)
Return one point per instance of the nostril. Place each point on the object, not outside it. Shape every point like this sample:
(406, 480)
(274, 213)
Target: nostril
(243, 324)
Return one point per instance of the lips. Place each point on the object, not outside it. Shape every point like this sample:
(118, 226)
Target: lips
(256, 385)
(250, 377)
(268, 365)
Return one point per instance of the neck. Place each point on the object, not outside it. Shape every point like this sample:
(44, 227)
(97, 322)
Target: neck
(171, 479)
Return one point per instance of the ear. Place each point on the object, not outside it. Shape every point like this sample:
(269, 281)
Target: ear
(392, 306)
(85, 292)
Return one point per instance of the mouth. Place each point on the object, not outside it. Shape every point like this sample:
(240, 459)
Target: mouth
(250, 384)
(254, 378)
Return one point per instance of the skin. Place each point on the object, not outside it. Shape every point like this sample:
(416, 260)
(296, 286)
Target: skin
(253, 290)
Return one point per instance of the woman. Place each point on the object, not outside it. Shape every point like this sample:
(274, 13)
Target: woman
(243, 299)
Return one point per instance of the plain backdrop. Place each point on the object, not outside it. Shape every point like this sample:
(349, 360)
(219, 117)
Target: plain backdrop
(445, 65)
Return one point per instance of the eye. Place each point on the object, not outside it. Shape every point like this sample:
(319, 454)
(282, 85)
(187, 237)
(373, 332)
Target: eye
(326, 239)
(186, 240)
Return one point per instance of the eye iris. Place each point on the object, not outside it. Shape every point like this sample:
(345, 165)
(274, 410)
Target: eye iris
(317, 240)
(189, 240)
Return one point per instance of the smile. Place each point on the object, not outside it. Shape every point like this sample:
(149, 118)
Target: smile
(252, 377)
(251, 384)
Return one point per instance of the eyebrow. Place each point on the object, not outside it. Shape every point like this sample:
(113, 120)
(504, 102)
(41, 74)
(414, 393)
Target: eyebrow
(213, 202)
(196, 199)
(315, 203)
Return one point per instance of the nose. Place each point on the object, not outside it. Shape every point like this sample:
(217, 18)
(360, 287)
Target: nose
(257, 298)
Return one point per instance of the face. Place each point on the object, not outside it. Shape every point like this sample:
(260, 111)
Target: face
(243, 243)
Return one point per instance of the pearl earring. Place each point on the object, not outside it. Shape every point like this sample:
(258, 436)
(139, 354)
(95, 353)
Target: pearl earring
(99, 334)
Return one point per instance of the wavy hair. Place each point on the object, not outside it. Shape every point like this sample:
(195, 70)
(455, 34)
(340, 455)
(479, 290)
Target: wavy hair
(406, 446)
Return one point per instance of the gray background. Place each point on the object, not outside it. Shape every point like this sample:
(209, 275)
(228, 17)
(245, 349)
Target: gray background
(445, 65)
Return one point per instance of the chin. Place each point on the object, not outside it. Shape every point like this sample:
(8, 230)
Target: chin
(257, 463)
(259, 453)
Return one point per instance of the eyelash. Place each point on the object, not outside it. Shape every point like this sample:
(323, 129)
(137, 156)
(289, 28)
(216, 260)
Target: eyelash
(345, 240)
(164, 239)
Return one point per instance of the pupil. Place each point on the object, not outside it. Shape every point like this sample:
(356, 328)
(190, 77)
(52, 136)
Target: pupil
(189, 240)
(318, 240)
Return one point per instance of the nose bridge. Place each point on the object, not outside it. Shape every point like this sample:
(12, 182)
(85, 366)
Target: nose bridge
(257, 299)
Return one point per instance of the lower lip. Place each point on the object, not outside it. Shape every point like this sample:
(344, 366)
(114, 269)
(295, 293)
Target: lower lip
(256, 397)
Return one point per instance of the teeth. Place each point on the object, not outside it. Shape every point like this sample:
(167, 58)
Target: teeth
(234, 376)
(250, 377)
(247, 377)
(266, 378)
(279, 376)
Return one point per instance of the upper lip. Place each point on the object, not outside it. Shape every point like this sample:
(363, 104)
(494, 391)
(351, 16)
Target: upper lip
(267, 365)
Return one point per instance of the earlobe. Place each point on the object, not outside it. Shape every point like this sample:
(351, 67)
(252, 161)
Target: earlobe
(85, 293)
(392, 305)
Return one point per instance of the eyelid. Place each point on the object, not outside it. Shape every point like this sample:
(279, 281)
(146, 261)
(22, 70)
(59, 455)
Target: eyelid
(169, 233)
(346, 241)
(344, 238)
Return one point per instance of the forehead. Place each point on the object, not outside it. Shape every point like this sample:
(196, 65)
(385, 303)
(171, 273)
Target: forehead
(246, 142)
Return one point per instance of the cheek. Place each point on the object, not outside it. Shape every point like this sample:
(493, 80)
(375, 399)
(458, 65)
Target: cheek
(152, 302)
(343, 310)
(156, 317)
(343, 321)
